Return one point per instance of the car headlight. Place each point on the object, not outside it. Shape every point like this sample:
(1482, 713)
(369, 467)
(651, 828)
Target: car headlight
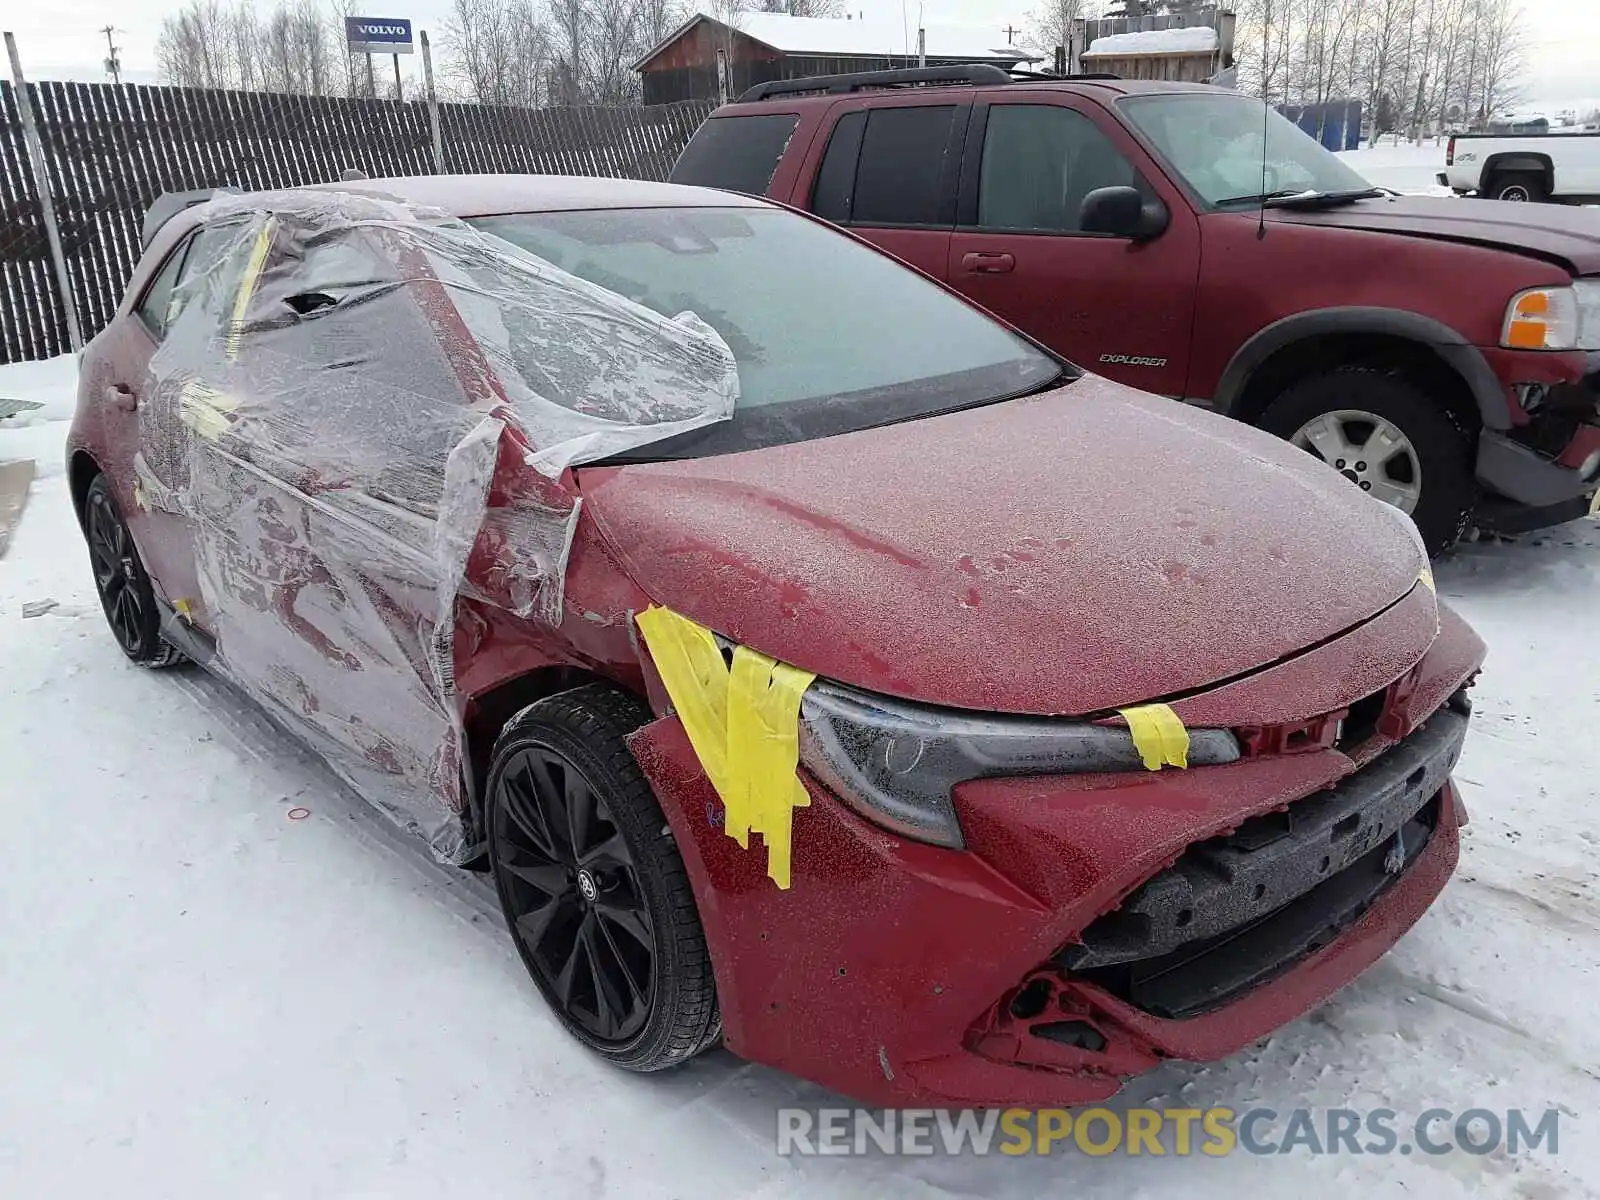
(897, 763)
(1558, 318)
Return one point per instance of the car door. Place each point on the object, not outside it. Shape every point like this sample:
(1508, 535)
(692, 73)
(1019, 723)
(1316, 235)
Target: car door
(1118, 306)
(888, 172)
(132, 434)
(318, 472)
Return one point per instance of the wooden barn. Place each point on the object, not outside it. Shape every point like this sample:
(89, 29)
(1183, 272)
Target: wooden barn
(765, 46)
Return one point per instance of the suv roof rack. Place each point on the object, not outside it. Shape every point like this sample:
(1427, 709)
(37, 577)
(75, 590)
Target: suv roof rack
(1051, 77)
(973, 74)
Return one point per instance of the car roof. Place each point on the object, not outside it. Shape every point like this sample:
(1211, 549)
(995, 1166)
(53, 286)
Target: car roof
(487, 195)
(467, 196)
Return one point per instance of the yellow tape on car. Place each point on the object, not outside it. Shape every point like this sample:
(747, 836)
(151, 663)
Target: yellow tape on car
(204, 409)
(1426, 580)
(744, 725)
(247, 285)
(1159, 735)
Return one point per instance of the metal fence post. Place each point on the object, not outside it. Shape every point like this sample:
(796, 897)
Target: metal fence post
(41, 187)
(433, 104)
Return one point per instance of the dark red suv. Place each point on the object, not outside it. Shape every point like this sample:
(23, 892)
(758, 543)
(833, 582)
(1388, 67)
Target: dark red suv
(1176, 238)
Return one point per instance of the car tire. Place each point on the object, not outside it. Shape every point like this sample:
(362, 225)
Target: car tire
(1517, 186)
(603, 915)
(126, 595)
(1442, 449)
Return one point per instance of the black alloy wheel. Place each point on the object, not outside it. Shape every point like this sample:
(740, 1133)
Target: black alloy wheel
(119, 577)
(594, 890)
(573, 894)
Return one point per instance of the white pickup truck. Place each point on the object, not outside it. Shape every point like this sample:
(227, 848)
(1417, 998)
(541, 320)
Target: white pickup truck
(1563, 168)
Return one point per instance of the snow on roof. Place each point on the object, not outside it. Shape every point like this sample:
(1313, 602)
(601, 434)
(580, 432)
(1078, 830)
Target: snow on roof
(1197, 39)
(874, 36)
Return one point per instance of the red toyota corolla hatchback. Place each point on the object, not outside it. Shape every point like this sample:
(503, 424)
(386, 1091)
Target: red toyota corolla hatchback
(589, 528)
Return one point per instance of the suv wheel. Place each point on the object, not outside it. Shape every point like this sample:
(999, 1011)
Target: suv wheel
(1518, 187)
(1387, 437)
(592, 885)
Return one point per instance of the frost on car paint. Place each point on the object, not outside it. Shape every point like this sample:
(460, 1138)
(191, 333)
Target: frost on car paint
(322, 320)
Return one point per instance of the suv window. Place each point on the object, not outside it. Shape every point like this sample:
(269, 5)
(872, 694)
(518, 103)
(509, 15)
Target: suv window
(835, 188)
(1039, 162)
(901, 165)
(156, 310)
(737, 154)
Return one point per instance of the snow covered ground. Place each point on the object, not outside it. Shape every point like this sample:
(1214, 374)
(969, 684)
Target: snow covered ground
(1401, 166)
(201, 997)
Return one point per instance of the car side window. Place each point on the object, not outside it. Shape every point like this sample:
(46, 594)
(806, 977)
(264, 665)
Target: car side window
(1039, 162)
(901, 166)
(156, 310)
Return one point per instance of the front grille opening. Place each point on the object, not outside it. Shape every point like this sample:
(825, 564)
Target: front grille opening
(1203, 975)
(1362, 721)
(1031, 1000)
(1079, 1034)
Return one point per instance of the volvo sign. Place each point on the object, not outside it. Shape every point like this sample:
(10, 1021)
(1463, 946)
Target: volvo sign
(378, 35)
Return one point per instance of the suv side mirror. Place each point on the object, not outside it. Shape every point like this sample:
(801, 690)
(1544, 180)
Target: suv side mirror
(1122, 212)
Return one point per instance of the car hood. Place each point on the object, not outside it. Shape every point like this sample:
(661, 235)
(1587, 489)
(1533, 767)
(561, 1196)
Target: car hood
(1067, 553)
(1569, 237)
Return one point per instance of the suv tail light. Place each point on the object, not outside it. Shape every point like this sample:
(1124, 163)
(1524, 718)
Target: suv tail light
(1450, 152)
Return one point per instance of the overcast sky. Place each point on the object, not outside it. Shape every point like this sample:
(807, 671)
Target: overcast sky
(59, 39)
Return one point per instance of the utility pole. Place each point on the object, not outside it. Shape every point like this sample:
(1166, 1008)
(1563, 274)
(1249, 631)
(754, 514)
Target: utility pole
(113, 62)
(1010, 33)
(41, 189)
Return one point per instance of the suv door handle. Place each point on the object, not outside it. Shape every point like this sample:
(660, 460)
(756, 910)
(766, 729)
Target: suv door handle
(122, 396)
(988, 262)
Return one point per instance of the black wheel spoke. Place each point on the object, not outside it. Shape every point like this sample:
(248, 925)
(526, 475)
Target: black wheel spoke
(628, 919)
(567, 977)
(520, 803)
(572, 894)
(550, 793)
(549, 878)
(610, 854)
(617, 960)
(580, 809)
(124, 617)
(613, 1001)
(535, 923)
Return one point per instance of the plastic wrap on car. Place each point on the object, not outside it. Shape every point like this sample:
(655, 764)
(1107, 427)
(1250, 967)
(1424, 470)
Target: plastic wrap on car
(364, 411)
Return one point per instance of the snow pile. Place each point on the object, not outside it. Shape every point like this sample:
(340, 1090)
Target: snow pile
(1196, 39)
(50, 384)
(1401, 166)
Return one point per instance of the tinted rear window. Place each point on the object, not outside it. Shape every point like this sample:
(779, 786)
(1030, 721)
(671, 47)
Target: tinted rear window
(902, 161)
(738, 154)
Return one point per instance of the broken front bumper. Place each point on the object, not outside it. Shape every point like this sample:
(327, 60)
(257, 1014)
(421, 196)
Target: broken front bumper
(902, 973)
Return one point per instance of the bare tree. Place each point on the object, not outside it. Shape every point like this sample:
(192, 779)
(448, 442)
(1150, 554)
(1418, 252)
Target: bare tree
(1418, 65)
(193, 46)
(497, 51)
(1504, 55)
(291, 49)
(801, 8)
(1053, 23)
